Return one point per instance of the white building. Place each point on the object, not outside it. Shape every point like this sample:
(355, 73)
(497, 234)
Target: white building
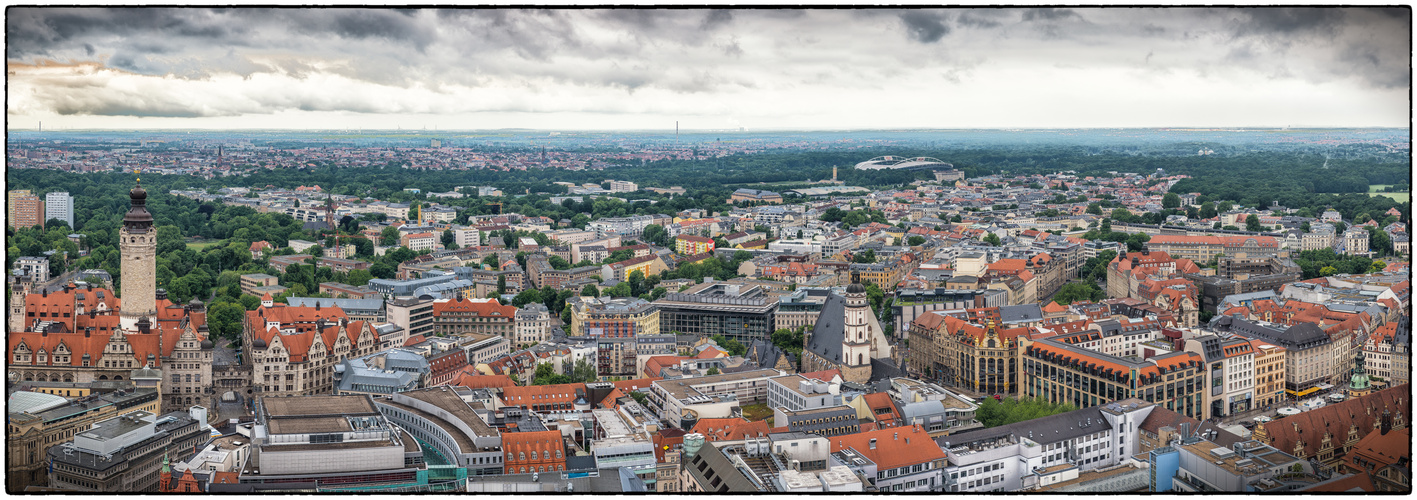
(623, 187)
(1012, 457)
(59, 206)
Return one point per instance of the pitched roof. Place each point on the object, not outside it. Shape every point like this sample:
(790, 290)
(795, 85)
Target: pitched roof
(894, 447)
(730, 429)
(487, 308)
(471, 379)
(1361, 482)
(1335, 419)
(541, 394)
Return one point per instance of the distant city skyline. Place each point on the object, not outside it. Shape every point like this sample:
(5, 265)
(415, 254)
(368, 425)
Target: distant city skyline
(707, 69)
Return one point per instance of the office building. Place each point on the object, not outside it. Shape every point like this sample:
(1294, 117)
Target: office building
(124, 454)
(740, 312)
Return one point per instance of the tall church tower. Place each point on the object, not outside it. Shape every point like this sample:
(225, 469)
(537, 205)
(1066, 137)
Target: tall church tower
(856, 340)
(137, 243)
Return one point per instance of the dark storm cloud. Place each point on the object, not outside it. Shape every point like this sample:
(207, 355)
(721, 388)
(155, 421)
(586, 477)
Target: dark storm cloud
(984, 18)
(1270, 21)
(1048, 14)
(925, 26)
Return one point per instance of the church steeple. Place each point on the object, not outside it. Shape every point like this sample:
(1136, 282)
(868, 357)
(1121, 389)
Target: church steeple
(856, 339)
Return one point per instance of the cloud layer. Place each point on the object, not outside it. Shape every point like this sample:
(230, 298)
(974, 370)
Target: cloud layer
(485, 68)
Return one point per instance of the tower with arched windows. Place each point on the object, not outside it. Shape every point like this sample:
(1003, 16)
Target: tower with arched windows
(137, 242)
(846, 336)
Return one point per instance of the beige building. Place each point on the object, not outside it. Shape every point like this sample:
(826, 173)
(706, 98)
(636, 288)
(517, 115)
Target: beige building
(24, 209)
(1270, 372)
(460, 316)
(612, 317)
(293, 350)
(533, 324)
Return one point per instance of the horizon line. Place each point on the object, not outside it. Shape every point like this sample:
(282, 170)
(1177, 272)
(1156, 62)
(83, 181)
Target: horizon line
(742, 130)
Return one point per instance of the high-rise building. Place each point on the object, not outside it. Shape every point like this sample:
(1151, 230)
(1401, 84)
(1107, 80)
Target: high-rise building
(60, 206)
(24, 209)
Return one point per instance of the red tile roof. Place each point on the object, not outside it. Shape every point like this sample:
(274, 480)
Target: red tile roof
(730, 429)
(489, 308)
(894, 447)
(526, 396)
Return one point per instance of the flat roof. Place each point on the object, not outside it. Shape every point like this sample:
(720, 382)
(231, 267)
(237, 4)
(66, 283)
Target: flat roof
(118, 426)
(464, 443)
(1092, 475)
(309, 425)
(447, 399)
(306, 406)
(683, 388)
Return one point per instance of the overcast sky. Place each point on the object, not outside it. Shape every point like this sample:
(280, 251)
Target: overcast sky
(707, 69)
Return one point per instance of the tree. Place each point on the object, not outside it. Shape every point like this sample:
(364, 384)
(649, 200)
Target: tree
(1170, 200)
(1379, 242)
(621, 289)
(1137, 241)
(915, 241)
(789, 340)
(501, 284)
(583, 372)
(734, 347)
(250, 302)
(490, 261)
(994, 413)
(528, 296)
(558, 263)
(1207, 210)
(993, 240)
(1252, 223)
(1328, 271)
(590, 290)
(389, 236)
(619, 255)
(546, 375)
(447, 238)
(713, 370)
(867, 257)
(224, 319)
(656, 234)
(1076, 292)
(636, 281)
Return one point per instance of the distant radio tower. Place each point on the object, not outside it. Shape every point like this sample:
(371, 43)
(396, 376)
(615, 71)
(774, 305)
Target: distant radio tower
(41, 126)
(676, 130)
